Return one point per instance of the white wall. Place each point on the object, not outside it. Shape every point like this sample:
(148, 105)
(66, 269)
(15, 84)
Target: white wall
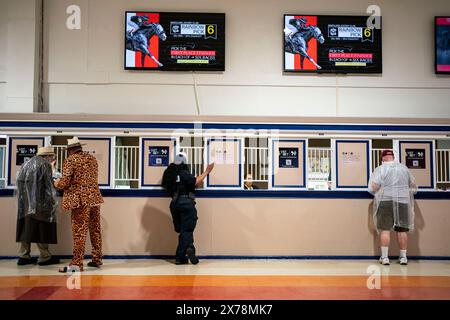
(3, 50)
(18, 55)
(85, 67)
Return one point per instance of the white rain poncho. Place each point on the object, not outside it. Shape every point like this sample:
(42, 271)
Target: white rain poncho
(393, 186)
(36, 196)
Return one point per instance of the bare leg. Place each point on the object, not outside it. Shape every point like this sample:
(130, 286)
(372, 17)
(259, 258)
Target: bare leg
(402, 238)
(385, 238)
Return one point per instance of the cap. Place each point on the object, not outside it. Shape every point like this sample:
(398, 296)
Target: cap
(387, 152)
(180, 158)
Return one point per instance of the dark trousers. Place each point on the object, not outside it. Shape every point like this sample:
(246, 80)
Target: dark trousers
(184, 215)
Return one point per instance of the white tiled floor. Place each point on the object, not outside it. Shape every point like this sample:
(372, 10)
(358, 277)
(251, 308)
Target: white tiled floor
(240, 267)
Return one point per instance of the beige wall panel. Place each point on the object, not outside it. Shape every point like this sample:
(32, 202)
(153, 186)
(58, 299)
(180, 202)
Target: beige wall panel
(288, 177)
(135, 226)
(152, 175)
(422, 176)
(352, 164)
(227, 163)
(100, 149)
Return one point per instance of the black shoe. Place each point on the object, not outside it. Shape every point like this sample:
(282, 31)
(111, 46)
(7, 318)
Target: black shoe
(183, 261)
(25, 261)
(191, 256)
(94, 264)
(50, 261)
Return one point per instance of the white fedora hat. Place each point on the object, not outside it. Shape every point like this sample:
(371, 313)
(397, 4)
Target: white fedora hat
(74, 142)
(46, 151)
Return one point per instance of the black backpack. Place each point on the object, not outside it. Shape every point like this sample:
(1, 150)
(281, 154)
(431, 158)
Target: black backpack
(169, 179)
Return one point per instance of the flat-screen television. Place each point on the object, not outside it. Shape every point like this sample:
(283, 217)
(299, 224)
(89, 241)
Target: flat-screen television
(331, 44)
(442, 45)
(174, 41)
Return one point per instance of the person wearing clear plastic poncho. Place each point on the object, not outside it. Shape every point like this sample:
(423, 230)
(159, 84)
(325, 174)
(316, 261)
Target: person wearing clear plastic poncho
(393, 186)
(36, 208)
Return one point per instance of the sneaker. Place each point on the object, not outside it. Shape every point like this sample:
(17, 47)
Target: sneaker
(191, 256)
(50, 261)
(25, 261)
(384, 261)
(403, 261)
(181, 261)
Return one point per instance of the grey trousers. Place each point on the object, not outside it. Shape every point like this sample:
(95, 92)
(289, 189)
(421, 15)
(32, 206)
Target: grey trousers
(25, 250)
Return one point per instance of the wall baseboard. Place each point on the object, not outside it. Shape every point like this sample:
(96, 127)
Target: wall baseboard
(228, 257)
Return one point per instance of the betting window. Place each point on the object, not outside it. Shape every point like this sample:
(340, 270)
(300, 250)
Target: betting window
(3, 162)
(126, 165)
(256, 163)
(59, 144)
(443, 165)
(378, 145)
(319, 164)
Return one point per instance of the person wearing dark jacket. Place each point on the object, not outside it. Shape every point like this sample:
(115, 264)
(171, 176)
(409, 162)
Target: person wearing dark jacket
(36, 208)
(180, 184)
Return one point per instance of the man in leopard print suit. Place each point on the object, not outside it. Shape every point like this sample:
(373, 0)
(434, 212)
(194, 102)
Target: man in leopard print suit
(82, 196)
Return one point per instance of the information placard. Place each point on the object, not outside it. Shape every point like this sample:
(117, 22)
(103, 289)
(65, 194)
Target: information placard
(25, 153)
(158, 156)
(418, 157)
(288, 157)
(20, 150)
(415, 158)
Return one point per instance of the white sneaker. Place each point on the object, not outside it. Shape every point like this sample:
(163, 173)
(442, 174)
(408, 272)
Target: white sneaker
(403, 261)
(384, 261)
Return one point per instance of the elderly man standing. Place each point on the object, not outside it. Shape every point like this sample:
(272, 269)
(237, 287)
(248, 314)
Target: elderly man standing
(37, 205)
(82, 196)
(393, 186)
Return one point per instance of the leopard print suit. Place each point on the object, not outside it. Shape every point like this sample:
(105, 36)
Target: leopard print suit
(82, 196)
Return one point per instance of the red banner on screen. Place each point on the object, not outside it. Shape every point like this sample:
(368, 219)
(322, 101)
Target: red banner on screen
(312, 49)
(153, 46)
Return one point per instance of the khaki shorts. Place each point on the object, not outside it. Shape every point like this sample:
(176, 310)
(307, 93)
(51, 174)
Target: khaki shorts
(385, 216)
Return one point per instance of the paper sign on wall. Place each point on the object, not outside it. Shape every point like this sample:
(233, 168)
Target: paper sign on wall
(288, 158)
(25, 153)
(221, 155)
(158, 156)
(350, 157)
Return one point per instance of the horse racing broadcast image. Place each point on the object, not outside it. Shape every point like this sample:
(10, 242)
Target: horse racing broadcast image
(175, 41)
(336, 44)
(442, 45)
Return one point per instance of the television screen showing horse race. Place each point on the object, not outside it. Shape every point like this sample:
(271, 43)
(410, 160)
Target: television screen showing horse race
(442, 27)
(175, 41)
(331, 44)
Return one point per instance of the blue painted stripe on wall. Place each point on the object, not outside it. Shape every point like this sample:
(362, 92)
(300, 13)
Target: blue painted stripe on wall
(244, 126)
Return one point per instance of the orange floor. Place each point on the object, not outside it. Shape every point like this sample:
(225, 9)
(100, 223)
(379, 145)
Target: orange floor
(221, 286)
